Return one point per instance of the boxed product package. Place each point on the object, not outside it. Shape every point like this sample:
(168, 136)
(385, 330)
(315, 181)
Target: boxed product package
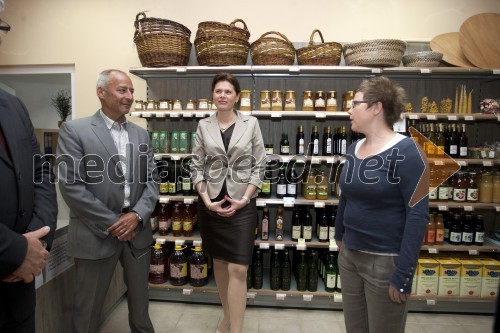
(449, 277)
(490, 277)
(470, 277)
(427, 276)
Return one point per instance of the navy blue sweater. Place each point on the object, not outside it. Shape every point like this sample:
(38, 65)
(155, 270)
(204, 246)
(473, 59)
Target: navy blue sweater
(374, 212)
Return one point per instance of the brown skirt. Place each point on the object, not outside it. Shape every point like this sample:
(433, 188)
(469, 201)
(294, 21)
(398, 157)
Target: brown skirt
(229, 238)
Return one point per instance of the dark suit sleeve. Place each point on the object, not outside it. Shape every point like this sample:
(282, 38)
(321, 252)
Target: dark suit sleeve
(13, 248)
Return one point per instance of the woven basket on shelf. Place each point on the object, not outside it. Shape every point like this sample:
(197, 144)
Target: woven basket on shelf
(324, 54)
(375, 53)
(217, 29)
(221, 50)
(422, 59)
(272, 50)
(160, 42)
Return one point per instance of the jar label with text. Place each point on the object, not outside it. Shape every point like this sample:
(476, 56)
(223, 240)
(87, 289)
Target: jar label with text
(296, 231)
(198, 271)
(472, 194)
(156, 269)
(459, 194)
(307, 232)
(178, 270)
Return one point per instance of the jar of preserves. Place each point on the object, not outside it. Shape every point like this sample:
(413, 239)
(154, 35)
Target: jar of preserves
(269, 148)
(289, 100)
(277, 101)
(245, 100)
(203, 104)
(486, 188)
(307, 101)
(138, 105)
(265, 100)
(319, 101)
(496, 187)
(331, 101)
(177, 105)
(151, 105)
(309, 188)
(460, 188)
(347, 99)
(164, 105)
(190, 105)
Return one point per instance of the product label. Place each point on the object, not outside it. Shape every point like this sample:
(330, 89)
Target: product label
(186, 184)
(431, 236)
(307, 232)
(266, 186)
(291, 189)
(285, 150)
(265, 103)
(323, 233)
(459, 194)
(177, 225)
(343, 147)
(296, 231)
(331, 233)
(432, 193)
(439, 235)
(187, 225)
(197, 271)
(177, 106)
(203, 105)
(463, 151)
(290, 103)
(467, 237)
(163, 188)
(245, 102)
(308, 103)
(190, 106)
(156, 269)
(331, 102)
(330, 280)
(265, 229)
(320, 102)
(446, 233)
(301, 146)
(316, 147)
(329, 146)
(443, 192)
(472, 194)
(279, 223)
(281, 189)
(453, 149)
(178, 270)
(479, 237)
(348, 104)
(455, 237)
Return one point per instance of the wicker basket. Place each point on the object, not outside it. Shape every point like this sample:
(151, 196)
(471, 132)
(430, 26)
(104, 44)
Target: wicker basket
(216, 29)
(324, 54)
(375, 53)
(160, 42)
(422, 59)
(272, 50)
(221, 50)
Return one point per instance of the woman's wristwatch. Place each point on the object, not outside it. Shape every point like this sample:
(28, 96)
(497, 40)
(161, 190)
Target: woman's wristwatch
(246, 199)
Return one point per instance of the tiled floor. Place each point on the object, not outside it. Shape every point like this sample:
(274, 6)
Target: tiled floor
(194, 318)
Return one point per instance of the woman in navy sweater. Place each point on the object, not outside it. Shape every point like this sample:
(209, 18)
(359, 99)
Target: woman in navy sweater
(382, 214)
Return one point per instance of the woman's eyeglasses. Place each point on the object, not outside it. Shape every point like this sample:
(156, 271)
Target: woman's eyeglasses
(355, 103)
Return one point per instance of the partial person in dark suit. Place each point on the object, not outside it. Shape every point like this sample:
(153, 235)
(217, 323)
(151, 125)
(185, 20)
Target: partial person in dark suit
(28, 217)
(108, 178)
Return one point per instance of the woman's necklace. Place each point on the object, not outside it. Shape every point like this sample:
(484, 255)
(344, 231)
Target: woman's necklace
(224, 127)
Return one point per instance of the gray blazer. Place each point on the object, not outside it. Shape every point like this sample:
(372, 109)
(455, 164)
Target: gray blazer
(87, 163)
(243, 164)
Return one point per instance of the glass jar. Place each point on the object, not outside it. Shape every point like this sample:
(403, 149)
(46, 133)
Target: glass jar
(331, 101)
(486, 188)
(177, 105)
(496, 188)
(265, 100)
(139, 105)
(319, 101)
(307, 101)
(245, 100)
(347, 99)
(277, 101)
(151, 105)
(269, 148)
(289, 100)
(190, 105)
(203, 104)
(164, 105)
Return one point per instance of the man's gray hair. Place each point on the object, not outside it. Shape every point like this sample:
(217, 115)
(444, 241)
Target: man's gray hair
(103, 77)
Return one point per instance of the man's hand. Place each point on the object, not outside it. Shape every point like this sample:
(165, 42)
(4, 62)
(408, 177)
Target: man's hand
(35, 259)
(124, 228)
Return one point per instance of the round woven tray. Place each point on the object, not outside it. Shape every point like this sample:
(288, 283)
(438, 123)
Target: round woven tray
(422, 59)
(217, 29)
(272, 50)
(221, 50)
(160, 42)
(375, 53)
(324, 54)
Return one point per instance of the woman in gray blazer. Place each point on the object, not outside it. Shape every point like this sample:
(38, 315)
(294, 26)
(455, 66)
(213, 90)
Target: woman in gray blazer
(227, 168)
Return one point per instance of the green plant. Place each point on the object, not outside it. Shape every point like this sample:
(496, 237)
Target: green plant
(62, 102)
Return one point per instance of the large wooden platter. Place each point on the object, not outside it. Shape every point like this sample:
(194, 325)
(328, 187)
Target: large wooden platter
(449, 46)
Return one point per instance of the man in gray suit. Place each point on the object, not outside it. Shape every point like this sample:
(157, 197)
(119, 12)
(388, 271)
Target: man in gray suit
(108, 178)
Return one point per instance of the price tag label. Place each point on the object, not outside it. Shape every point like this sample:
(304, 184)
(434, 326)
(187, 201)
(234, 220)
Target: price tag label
(315, 160)
(175, 157)
(376, 70)
(330, 160)
(473, 252)
(288, 202)
(319, 204)
(425, 71)
(431, 117)
(199, 114)
(160, 241)
(468, 208)
(260, 203)
(251, 295)
(497, 208)
(136, 113)
(320, 115)
(301, 244)
(160, 114)
(197, 243)
(275, 114)
(469, 118)
(188, 200)
(337, 298)
(443, 208)
(294, 69)
(180, 242)
(496, 71)
(487, 163)
(433, 250)
(187, 291)
(164, 200)
(414, 116)
(187, 114)
(431, 302)
(146, 114)
(438, 162)
(181, 69)
(462, 163)
(307, 298)
(280, 297)
(280, 246)
(158, 157)
(264, 246)
(174, 114)
(452, 118)
(498, 118)
(333, 245)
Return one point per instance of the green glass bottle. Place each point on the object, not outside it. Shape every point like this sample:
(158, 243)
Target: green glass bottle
(275, 271)
(312, 276)
(257, 270)
(286, 272)
(302, 272)
(330, 274)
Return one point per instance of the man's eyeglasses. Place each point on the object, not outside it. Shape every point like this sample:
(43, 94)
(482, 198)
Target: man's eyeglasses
(355, 103)
(4, 26)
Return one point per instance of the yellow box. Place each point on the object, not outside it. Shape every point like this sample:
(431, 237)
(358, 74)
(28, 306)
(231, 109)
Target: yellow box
(449, 276)
(427, 276)
(490, 277)
(414, 283)
(470, 277)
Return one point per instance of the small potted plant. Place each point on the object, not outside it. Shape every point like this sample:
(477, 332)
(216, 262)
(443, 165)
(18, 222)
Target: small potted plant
(61, 101)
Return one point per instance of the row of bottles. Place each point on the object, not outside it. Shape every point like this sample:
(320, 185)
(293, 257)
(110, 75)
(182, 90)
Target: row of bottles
(302, 224)
(178, 266)
(471, 186)
(177, 218)
(176, 142)
(455, 228)
(331, 143)
(307, 268)
(175, 178)
(449, 138)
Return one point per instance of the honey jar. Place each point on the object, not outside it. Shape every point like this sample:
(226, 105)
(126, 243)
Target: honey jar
(177, 105)
(289, 100)
(277, 101)
(347, 99)
(319, 101)
(139, 105)
(190, 105)
(245, 100)
(307, 101)
(265, 100)
(151, 105)
(331, 101)
(203, 104)
(164, 104)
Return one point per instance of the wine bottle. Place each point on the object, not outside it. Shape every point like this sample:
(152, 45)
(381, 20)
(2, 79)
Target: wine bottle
(315, 141)
(327, 142)
(286, 272)
(275, 271)
(300, 143)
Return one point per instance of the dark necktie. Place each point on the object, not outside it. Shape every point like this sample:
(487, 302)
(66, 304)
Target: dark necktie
(3, 144)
